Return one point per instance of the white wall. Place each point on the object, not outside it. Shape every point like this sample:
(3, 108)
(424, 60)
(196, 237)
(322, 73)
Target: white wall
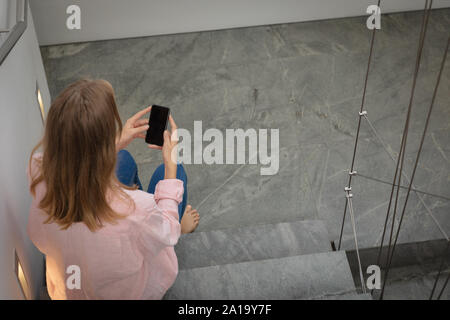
(21, 127)
(114, 19)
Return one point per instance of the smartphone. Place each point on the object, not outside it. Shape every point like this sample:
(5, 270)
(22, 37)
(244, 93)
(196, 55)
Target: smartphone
(159, 116)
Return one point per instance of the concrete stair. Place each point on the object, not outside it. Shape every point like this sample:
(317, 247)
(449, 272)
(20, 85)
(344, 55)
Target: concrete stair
(276, 261)
(259, 242)
(297, 277)
(346, 296)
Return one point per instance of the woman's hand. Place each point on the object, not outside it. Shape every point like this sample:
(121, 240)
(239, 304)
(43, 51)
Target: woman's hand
(169, 150)
(135, 127)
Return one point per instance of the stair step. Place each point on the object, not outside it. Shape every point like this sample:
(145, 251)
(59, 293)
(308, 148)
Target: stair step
(260, 242)
(296, 277)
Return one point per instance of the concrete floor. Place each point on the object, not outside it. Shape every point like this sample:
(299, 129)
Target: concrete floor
(305, 79)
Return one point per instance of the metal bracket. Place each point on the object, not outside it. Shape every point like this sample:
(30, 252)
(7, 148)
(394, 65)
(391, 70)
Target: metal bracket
(348, 191)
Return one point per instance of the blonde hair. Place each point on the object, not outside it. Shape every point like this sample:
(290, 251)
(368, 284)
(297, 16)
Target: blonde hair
(79, 156)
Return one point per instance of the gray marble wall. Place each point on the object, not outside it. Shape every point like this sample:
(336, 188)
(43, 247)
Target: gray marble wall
(305, 79)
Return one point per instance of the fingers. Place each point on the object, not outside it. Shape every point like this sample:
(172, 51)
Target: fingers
(173, 125)
(140, 122)
(141, 136)
(154, 146)
(140, 130)
(140, 114)
(141, 126)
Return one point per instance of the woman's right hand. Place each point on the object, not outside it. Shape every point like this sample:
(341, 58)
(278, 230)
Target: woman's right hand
(169, 150)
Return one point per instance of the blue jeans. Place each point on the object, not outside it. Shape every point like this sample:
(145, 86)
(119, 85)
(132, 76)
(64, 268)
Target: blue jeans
(127, 173)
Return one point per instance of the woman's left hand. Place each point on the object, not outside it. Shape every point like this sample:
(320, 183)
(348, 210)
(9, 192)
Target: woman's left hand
(135, 127)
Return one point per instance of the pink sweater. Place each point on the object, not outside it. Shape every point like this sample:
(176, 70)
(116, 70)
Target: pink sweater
(133, 259)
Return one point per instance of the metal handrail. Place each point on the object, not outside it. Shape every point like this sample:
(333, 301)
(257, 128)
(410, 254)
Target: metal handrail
(16, 31)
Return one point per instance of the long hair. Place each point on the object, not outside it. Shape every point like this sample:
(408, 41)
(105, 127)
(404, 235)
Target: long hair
(79, 156)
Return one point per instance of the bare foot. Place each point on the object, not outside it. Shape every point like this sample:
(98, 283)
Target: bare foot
(190, 219)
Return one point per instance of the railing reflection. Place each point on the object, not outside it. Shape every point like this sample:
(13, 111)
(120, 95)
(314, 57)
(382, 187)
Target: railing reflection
(17, 30)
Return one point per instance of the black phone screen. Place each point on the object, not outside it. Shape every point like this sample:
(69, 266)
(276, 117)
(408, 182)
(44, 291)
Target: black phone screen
(157, 124)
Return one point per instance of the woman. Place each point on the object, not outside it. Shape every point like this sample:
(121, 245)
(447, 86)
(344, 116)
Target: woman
(102, 237)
